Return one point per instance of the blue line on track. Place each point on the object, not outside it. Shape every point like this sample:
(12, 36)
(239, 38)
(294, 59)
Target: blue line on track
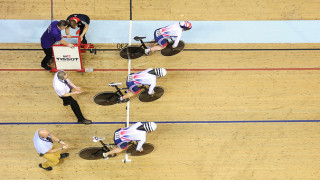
(166, 122)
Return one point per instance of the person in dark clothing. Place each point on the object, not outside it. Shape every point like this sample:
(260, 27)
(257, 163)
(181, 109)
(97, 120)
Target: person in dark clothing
(79, 20)
(63, 86)
(49, 37)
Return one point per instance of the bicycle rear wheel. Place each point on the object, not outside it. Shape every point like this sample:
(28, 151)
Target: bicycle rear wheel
(144, 96)
(91, 153)
(106, 98)
(147, 149)
(133, 52)
(169, 51)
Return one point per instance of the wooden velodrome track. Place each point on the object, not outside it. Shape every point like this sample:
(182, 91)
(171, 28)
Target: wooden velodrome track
(240, 110)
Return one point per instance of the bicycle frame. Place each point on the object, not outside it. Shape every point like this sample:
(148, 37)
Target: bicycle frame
(145, 47)
(104, 148)
(119, 90)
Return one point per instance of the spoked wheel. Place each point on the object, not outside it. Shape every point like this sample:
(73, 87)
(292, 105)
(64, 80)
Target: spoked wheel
(133, 52)
(147, 148)
(169, 51)
(144, 96)
(106, 98)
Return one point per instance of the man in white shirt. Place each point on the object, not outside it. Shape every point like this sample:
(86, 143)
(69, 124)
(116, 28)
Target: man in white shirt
(63, 86)
(43, 142)
(146, 77)
(136, 132)
(162, 34)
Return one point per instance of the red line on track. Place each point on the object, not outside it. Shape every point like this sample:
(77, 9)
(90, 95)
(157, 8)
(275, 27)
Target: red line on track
(236, 69)
(22, 70)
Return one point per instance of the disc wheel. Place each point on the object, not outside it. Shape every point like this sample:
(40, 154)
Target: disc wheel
(144, 96)
(91, 153)
(106, 98)
(169, 51)
(147, 149)
(133, 52)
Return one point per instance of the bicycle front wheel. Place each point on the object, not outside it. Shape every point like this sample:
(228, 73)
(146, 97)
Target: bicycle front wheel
(147, 149)
(144, 96)
(169, 51)
(106, 98)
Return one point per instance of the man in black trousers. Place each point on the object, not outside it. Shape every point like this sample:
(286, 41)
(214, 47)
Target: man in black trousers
(49, 37)
(63, 86)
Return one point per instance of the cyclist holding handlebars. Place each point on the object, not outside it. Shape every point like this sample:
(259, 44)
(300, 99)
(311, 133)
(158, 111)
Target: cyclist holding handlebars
(175, 30)
(136, 132)
(146, 77)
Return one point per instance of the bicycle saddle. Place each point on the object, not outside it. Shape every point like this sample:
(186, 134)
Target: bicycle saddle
(114, 84)
(137, 38)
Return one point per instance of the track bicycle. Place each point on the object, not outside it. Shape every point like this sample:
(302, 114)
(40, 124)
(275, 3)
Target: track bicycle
(135, 51)
(95, 153)
(108, 98)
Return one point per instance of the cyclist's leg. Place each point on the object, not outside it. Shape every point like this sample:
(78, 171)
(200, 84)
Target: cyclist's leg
(161, 41)
(157, 48)
(128, 95)
(133, 90)
(120, 145)
(153, 43)
(161, 45)
(113, 151)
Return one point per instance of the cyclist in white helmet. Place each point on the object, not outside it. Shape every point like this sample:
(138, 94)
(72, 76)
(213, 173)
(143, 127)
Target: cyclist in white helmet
(175, 30)
(136, 132)
(146, 77)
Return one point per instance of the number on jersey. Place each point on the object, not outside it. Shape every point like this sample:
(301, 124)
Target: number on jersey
(130, 78)
(117, 135)
(158, 33)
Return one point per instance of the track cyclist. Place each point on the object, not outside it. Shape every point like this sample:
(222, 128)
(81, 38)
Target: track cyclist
(136, 132)
(146, 77)
(160, 35)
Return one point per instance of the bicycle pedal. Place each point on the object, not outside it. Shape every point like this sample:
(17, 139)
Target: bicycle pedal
(125, 100)
(114, 84)
(105, 150)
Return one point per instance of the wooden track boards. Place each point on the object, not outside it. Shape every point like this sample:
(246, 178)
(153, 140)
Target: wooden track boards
(237, 90)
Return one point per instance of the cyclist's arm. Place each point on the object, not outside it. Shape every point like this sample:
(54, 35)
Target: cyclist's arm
(85, 30)
(151, 88)
(140, 143)
(136, 125)
(176, 41)
(147, 70)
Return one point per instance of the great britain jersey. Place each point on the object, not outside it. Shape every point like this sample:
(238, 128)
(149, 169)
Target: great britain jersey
(82, 19)
(173, 30)
(124, 135)
(143, 78)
